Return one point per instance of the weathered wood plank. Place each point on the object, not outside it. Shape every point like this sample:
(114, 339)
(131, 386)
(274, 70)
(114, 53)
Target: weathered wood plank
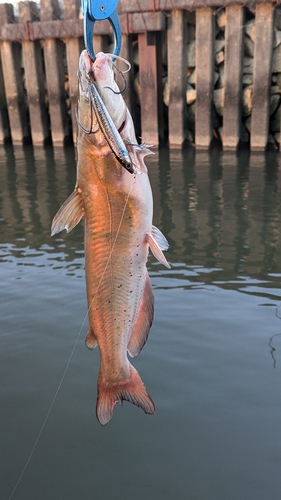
(11, 65)
(151, 87)
(262, 76)
(233, 68)
(177, 48)
(69, 28)
(146, 21)
(74, 46)
(154, 5)
(127, 53)
(100, 43)
(205, 75)
(34, 80)
(54, 65)
(137, 5)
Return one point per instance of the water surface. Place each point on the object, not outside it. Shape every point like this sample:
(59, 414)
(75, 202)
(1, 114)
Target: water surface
(212, 362)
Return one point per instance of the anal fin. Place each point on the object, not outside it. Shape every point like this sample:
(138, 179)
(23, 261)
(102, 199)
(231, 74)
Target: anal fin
(69, 214)
(143, 320)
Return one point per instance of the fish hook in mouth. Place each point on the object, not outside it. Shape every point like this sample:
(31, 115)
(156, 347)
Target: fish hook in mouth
(124, 80)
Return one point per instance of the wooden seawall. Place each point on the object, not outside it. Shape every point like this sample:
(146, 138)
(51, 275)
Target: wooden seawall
(201, 71)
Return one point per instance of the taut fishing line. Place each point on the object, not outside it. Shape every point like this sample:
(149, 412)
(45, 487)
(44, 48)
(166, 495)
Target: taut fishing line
(75, 343)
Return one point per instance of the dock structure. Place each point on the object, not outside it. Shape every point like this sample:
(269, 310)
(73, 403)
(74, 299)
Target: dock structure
(201, 71)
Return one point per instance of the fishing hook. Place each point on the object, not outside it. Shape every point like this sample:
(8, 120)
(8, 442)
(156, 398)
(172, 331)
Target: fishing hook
(124, 80)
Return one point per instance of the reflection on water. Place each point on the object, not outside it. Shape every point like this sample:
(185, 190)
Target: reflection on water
(217, 210)
(213, 359)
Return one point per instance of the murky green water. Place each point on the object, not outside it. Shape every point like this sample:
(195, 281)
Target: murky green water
(212, 362)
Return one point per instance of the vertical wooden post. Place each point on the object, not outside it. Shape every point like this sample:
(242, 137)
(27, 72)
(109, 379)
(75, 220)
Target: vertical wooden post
(73, 48)
(233, 72)
(4, 120)
(205, 76)
(262, 76)
(100, 43)
(53, 56)
(177, 57)
(151, 87)
(34, 79)
(11, 64)
(127, 53)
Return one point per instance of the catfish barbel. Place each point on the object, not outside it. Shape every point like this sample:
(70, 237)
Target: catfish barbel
(117, 206)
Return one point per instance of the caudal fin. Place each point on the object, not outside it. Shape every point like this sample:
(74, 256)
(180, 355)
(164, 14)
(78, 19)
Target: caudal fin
(132, 390)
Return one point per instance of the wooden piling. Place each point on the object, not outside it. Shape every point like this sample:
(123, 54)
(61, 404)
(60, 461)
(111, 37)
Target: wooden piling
(150, 72)
(233, 72)
(23, 81)
(262, 76)
(204, 77)
(177, 59)
(127, 53)
(53, 56)
(34, 79)
(11, 64)
(74, 46)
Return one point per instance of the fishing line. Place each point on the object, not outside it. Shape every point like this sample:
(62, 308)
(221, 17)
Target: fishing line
(119, 58)
(50, 409)
(75, 343)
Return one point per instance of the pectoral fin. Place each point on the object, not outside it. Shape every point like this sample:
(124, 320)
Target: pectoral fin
(143, 320)
(69, 214)
(91, 340)
(157, 243)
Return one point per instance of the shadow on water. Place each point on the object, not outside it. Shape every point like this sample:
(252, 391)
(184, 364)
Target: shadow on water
(211, 352)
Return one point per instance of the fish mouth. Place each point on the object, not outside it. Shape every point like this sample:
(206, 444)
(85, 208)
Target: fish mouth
(90, 67)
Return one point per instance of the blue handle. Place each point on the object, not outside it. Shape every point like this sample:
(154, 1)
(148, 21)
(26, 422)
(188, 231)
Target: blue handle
(97, 11)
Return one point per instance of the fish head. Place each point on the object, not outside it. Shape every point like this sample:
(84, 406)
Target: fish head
(104, 72)
(100, 73)
(104, 77)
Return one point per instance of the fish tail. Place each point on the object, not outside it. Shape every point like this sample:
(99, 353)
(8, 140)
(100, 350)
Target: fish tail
(131, 389)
